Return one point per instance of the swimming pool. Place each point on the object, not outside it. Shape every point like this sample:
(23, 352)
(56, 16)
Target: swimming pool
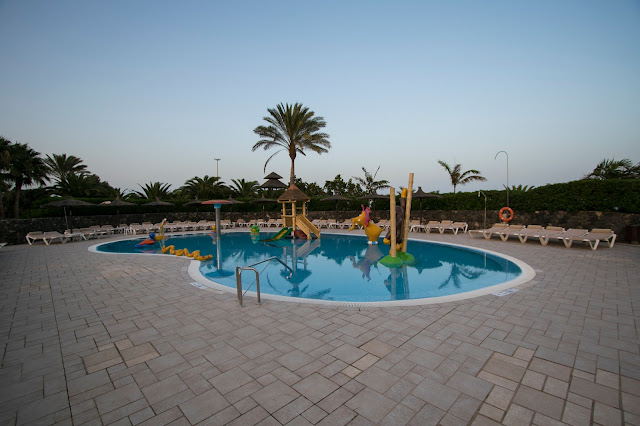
(343, 268)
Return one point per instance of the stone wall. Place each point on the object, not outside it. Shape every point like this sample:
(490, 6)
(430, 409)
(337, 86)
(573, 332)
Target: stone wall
(13, 231)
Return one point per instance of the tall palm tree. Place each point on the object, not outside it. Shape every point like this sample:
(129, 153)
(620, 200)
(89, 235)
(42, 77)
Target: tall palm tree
(369, 182)
(153, 190)
(460, 178)
(203, 188)
(60, 166)
(244, 189)
(615, 169)
(5, 161)
(294, 129)
(26, 168)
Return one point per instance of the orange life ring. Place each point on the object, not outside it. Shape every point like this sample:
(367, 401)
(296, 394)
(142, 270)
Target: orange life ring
(501, 214)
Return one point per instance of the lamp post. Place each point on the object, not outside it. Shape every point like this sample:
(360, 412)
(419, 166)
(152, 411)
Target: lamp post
(485, 208)
(505, 153)
(217, 163)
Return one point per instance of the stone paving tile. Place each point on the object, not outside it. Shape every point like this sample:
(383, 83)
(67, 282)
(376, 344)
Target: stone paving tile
(130, 341)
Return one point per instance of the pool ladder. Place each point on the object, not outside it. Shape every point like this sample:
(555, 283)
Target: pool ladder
(239, 270)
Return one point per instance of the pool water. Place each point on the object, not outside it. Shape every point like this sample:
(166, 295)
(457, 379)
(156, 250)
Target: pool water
(338, 267)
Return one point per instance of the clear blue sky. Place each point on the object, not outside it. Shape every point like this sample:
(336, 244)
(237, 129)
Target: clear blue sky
(148, 91)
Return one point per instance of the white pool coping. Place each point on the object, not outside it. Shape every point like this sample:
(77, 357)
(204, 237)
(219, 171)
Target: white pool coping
(528, 273)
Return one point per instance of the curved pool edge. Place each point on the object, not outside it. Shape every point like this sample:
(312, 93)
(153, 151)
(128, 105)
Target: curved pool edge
(528, 273)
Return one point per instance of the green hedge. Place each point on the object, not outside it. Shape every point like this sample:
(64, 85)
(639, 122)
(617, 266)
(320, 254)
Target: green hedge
(620, 195)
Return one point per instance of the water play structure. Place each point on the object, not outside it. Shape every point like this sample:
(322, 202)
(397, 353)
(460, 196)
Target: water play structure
(294, 212)
(372, 230)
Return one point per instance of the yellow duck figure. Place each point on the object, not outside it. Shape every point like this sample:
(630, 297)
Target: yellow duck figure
(372, 230)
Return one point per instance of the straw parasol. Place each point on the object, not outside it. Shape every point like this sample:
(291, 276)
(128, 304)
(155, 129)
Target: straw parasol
(158, 202)
(117, 203)
(336, 198)
(67, 202)
(420, 194)
(262, 200)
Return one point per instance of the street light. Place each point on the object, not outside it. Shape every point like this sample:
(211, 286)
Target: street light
(505, 153)
(218, 174)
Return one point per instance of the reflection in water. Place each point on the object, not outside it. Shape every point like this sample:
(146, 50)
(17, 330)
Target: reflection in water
(364, 263)
(458, 271)
(320, 270)
(398, 283)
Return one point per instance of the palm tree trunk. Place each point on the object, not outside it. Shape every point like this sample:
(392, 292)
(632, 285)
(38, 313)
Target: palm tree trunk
(1, 204)
(16, 203)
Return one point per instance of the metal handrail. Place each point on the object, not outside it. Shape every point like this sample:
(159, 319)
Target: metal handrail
(239, 270)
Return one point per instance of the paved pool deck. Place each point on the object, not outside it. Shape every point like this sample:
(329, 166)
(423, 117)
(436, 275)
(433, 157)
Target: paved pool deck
(89, 338)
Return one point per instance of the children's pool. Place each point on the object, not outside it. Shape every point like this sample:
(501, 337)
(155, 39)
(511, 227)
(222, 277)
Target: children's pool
(342, 268)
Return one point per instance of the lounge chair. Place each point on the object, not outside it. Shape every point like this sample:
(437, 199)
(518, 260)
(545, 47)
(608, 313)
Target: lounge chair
(445, 225)
(454, 227)
(108, 229)
(510, 231)
(571, 234)
(488, 233)
(548, 233)
(593, 238)
(136, 228)
(432, 224)
(32, 237)
(415, 226)
(529, 231)
(332, 223)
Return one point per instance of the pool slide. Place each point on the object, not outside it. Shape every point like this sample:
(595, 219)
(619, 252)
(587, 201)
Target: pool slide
(284, 232)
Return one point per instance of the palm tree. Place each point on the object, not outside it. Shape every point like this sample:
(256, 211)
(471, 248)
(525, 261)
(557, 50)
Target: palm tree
(244, 189)
(459, 178)
(369, 183)
(60, 166)
(5, 161)
(153, 190)
(26, 168)
(203, 188)
(294, 129)
(615, 169)
(81, 185)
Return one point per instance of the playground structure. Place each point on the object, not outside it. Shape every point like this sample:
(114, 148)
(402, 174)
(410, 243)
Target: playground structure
(398, 249)
(294, 212)
(372, 230)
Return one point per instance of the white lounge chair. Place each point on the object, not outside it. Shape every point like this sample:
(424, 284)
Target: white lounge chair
(432, 224)
(548, 233)
(510, 231)
(32, 237)
(488, 233)
(529, 231)
(593, 238)
(571, 234)
(415, 226)
(454, 227)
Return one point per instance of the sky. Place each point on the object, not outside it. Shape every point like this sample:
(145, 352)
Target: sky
(151, 90)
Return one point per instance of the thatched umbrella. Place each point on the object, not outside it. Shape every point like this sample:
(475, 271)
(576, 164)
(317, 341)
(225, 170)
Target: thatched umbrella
(420, 194)
(117, 203)
(262, 200)
(67, 202)
(336, 198)
(158, 202)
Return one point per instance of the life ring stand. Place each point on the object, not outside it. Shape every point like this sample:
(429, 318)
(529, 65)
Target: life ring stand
(501, 214)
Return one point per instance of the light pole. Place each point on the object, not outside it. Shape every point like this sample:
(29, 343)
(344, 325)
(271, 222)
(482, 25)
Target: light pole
(505, 153)
(485, 208)
(217, 163)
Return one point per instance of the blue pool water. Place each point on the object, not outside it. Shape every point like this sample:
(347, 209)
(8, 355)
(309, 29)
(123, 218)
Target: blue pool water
(339, 267)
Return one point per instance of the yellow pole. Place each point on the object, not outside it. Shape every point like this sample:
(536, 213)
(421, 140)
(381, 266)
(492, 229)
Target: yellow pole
(293, 215)
(407, 214)
(392, 217)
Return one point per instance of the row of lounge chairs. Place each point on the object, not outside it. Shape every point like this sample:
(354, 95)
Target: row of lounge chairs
(550, 233)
